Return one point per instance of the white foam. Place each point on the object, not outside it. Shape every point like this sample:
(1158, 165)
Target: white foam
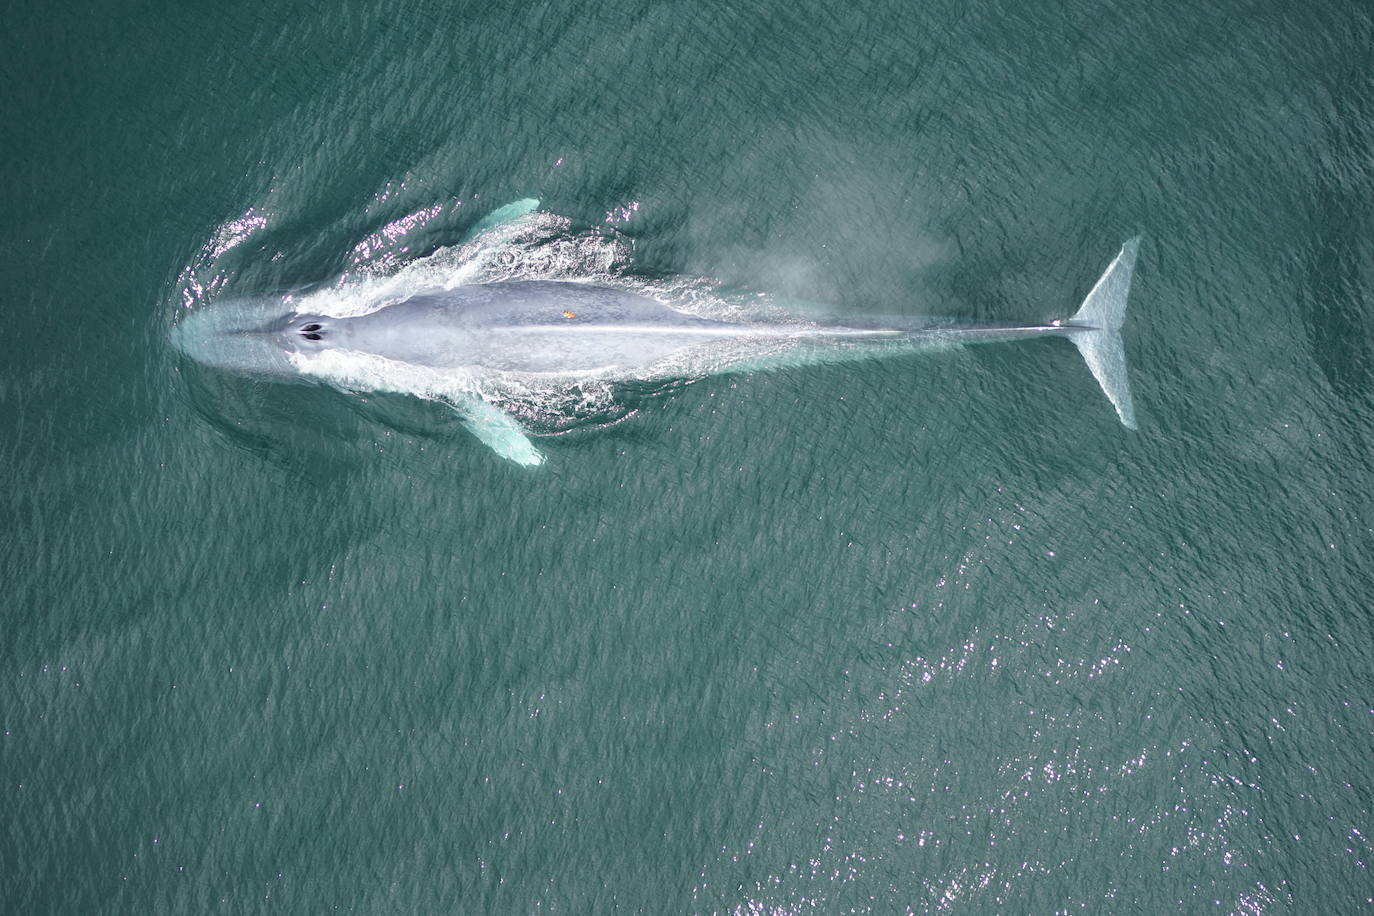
(536, 246)
(550, 402)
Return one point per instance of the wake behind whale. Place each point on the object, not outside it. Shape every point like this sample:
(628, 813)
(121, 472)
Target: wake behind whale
(474, 345)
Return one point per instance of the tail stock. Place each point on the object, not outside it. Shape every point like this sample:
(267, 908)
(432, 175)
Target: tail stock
(1100, 317)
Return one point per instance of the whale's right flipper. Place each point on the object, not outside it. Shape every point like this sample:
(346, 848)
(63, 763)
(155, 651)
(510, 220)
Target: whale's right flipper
(498, 431)
(502, 216)
(1100, 318)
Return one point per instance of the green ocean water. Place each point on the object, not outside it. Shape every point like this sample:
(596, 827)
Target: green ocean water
(929, 634)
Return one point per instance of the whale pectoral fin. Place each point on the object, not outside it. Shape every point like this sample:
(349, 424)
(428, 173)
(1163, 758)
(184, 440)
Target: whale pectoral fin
(503, 215)
(498, 431)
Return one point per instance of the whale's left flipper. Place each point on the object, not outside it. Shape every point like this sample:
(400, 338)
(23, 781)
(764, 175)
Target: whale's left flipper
(498, 431)
(1098, 336)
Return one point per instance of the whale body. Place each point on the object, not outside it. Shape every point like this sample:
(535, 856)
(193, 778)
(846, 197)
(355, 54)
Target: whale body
(565, 332)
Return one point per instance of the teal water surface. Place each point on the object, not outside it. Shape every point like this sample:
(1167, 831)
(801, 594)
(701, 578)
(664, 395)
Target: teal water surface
(915, 635)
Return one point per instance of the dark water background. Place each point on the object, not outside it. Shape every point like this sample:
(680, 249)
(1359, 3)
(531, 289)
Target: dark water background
(930, 634)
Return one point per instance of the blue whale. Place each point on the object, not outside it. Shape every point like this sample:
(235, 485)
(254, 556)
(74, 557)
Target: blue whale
(458, 344)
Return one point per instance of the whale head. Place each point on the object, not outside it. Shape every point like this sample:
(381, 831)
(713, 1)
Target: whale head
(310, 333)
(252, 337)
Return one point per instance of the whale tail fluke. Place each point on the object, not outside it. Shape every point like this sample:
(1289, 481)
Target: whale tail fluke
(1098, 336)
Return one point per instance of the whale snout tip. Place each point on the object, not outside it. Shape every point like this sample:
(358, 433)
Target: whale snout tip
(242, 336)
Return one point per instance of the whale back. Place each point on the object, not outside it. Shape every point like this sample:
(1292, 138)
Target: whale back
(537, 326)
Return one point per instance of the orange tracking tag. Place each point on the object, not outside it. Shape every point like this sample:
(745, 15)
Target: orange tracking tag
(569, 315)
